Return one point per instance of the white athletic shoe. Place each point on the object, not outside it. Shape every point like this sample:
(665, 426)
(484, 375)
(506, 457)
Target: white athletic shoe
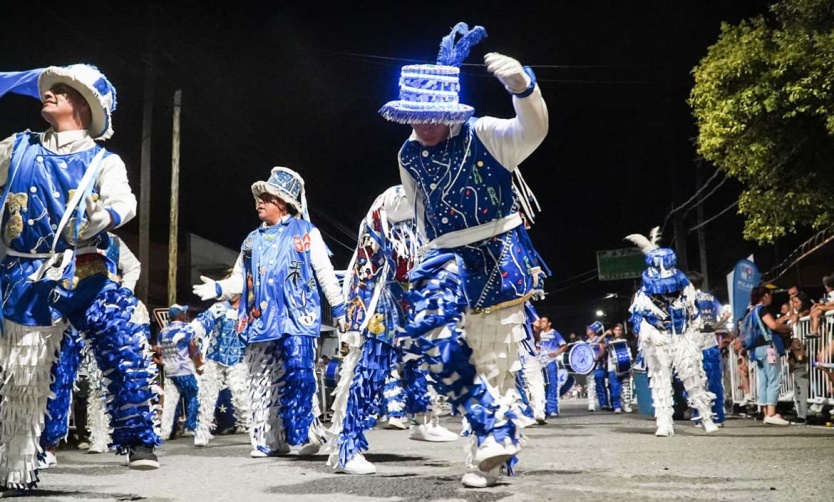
(399, 424)
(665, 431)
(283, 449)
(432, 432)
(477, 478)
(618, 410)
(776, 420)
(309, 449)
(48, 461)
(358, 465)
(710, 427)
(592, 408)
(627, 408)
(492, 454)
(200, 440)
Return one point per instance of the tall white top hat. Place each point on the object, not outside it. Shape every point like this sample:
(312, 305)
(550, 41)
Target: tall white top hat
(429, 92)
(287, 185)
(93, 86)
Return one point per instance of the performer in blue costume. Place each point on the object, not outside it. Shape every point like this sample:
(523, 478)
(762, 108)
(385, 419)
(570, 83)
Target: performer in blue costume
(182, 361)
(712, 317)
(597, 387)
(281, 265)
(480, 267)
(223, 367)
(375, 292)
(666, 319)
(62, 192)
(549, 345)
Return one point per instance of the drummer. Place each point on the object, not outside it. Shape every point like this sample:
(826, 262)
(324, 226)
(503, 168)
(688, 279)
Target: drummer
(549, 344)
(619, 383)
(597, 391)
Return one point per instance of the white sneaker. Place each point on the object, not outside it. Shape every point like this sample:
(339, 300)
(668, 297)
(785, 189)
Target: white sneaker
(357, 465)
(48, 461)
(665, 431)
(618, 410)
(399, 424)
(188, 433)
(492, 454)
(283, 449)
(776, 420)
(481, 479)
(710, 427)
(815, 409)
(592, 408)
(627, 408)
(200, 440)
(309, 449)
(434, 433)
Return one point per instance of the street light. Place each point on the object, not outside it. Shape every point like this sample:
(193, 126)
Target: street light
(600, 313)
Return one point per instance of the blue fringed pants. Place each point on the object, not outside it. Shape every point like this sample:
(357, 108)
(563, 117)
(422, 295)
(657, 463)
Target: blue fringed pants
(282, 385)
(187, 387)
(715, 383)
(551, 388)
(64, 372)
(602, 391)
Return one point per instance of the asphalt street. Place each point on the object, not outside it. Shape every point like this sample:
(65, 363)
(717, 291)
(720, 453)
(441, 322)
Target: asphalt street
(579, 456)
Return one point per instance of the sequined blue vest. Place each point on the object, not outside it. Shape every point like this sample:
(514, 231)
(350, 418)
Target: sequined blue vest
(280, 293)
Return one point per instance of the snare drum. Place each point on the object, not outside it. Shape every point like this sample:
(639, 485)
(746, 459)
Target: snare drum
(578, 358)
(331, 373)
(619, 356)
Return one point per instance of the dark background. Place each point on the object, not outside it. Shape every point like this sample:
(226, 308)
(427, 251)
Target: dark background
(270, 83)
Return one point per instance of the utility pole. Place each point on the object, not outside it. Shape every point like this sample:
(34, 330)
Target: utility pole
(702, 234)
(175, 202)
(145, 166)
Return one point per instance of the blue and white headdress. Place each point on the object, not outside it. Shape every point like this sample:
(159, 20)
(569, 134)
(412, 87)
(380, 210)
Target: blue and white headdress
(661, 276)
(596, 327)
(86, 79)
(287, 185)
(429, 92)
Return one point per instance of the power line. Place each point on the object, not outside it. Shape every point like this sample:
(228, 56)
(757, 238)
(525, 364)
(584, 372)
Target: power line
(707, 196)
(577, 276)
(688, 201)
(696, 227)
(589, 279)
(805, 249)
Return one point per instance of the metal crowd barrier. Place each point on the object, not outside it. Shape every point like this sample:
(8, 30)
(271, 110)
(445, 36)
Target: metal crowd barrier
(820, 391)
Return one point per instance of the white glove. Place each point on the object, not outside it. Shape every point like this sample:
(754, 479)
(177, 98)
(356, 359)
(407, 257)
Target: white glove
(98, 219)
(207, 290)
(340, 322)
(508, 71)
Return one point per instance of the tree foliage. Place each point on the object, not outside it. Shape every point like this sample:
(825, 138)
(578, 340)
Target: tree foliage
(764, 104)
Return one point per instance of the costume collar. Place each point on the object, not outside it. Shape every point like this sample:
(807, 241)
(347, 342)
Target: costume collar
(67, 141)
(454, 130)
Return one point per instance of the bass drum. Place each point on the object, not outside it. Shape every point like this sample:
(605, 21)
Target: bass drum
(578, 358)
(566, 381)
(619, 356)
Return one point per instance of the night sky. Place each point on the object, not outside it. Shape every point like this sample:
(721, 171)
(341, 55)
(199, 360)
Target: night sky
(269, 84)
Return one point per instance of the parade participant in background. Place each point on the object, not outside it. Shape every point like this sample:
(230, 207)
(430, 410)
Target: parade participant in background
(616, 381)
(62, 193)
(375, 293)
(182, 362)
(281, 266)
(597, 389)
(223, 368)
(530, 380)
(549, 345)
(711, 317)
(665, 317)
(480, 268)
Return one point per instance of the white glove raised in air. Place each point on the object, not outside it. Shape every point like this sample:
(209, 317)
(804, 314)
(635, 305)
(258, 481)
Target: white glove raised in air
(207, 290)
(508, 71)
(340, 322)
(98, 219)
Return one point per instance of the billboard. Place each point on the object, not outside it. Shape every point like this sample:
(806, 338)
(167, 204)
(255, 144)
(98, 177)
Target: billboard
(616, 264)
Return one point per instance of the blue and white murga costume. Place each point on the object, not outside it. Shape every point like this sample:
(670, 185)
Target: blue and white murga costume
(375, 287)
(530, 380)
(176, 341)
(277, 274)
(711, 312)
(596, 385)
(57, 268)
(666, 319)
(550, 342)
(76, 360)
(480, 267)
(223, 368)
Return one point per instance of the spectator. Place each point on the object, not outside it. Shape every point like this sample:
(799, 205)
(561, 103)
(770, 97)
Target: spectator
(798, 366)
(767, 349)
